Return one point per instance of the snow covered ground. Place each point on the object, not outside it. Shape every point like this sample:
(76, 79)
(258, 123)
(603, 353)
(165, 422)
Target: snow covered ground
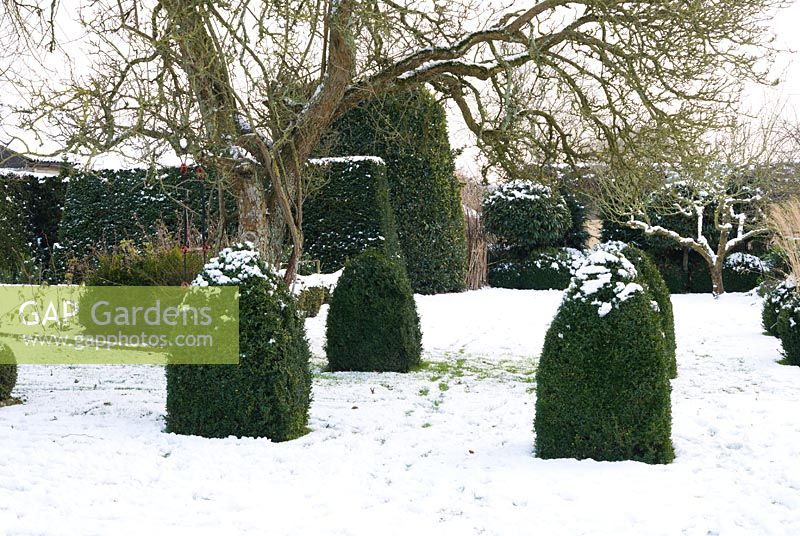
(446, 450)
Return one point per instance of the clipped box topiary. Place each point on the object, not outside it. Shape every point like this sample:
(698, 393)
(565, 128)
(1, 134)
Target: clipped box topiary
(526, 215)
(8, 371)
(372, 320)
(773, 303)
(268, 393)
(603, 389)
(788, 328)
(651, 279)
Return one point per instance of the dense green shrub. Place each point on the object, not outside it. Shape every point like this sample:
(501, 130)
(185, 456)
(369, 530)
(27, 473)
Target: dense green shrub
(30, 212)
(408, 131)
(742, 272)
(349, 213)
(577, 235)
(8, 371)
(372, 321)
(104, 208)
(774, 302)
(603, 387)
(310, 300)
(543, 269)
(650, 278)
(268, 393)
(788, 328)
(526, 215)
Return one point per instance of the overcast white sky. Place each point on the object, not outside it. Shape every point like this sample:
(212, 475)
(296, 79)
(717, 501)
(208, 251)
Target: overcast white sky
(786, 95)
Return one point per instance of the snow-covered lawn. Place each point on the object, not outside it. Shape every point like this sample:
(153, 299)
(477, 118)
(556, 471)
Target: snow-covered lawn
(446, 450)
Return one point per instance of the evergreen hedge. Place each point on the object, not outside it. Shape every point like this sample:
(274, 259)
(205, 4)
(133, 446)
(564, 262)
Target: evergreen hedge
(106, 207)
(372, 320)
(8, 371)
(30, 212)
(349, 213)
(408, 130)
(268, 393)
(603, 388)
(543, 269)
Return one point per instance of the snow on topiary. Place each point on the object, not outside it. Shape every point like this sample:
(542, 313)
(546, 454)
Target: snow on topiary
(526, 215)
(774, 302)
(8, 371)
(268, 393)
(650, 277)
(743, 272)
(603, 387)
(788, 327)
(372, 321)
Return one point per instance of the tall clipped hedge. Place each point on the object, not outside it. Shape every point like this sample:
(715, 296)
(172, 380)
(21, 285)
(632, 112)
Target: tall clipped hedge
(8, 371)
(408, 131)
(788, 329)
(372, 320)
(106, 207)
(30, 212)
(603, 388)
(268, 393)
(349, 213)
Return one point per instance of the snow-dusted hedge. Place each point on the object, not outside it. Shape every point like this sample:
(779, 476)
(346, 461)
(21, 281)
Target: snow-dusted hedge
(525, 215)
(774, 302)
(547, 268)
(408, 130)
(603, 388)
(268, 393)
(30, 212)
(105, 207)
(349, 213)
(8, 371)
(372, 322)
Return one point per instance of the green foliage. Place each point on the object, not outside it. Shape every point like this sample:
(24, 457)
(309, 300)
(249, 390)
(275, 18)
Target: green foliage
(782, 295)
(310, 300)
(577, 235)
(268, 393)
(8, 372)
(526, 215)
(30, 212)
(603, 387)
(788, 328)
(372, 321)
(742, 272)
(547, 268)
(349, 213)
(408, 131)
(104, 208)
(650, 278)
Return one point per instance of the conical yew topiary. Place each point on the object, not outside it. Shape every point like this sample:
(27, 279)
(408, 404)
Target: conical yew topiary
(372, 321)
(603, 388)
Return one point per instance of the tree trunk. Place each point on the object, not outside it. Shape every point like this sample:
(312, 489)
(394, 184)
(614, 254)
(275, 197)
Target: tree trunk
(251, 205)
(717, 287)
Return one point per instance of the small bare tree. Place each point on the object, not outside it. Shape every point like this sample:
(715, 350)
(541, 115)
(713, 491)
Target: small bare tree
(711, 200)
(250, 87)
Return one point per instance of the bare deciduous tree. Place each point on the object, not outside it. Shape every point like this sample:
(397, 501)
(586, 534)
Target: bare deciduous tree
(251, 86)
